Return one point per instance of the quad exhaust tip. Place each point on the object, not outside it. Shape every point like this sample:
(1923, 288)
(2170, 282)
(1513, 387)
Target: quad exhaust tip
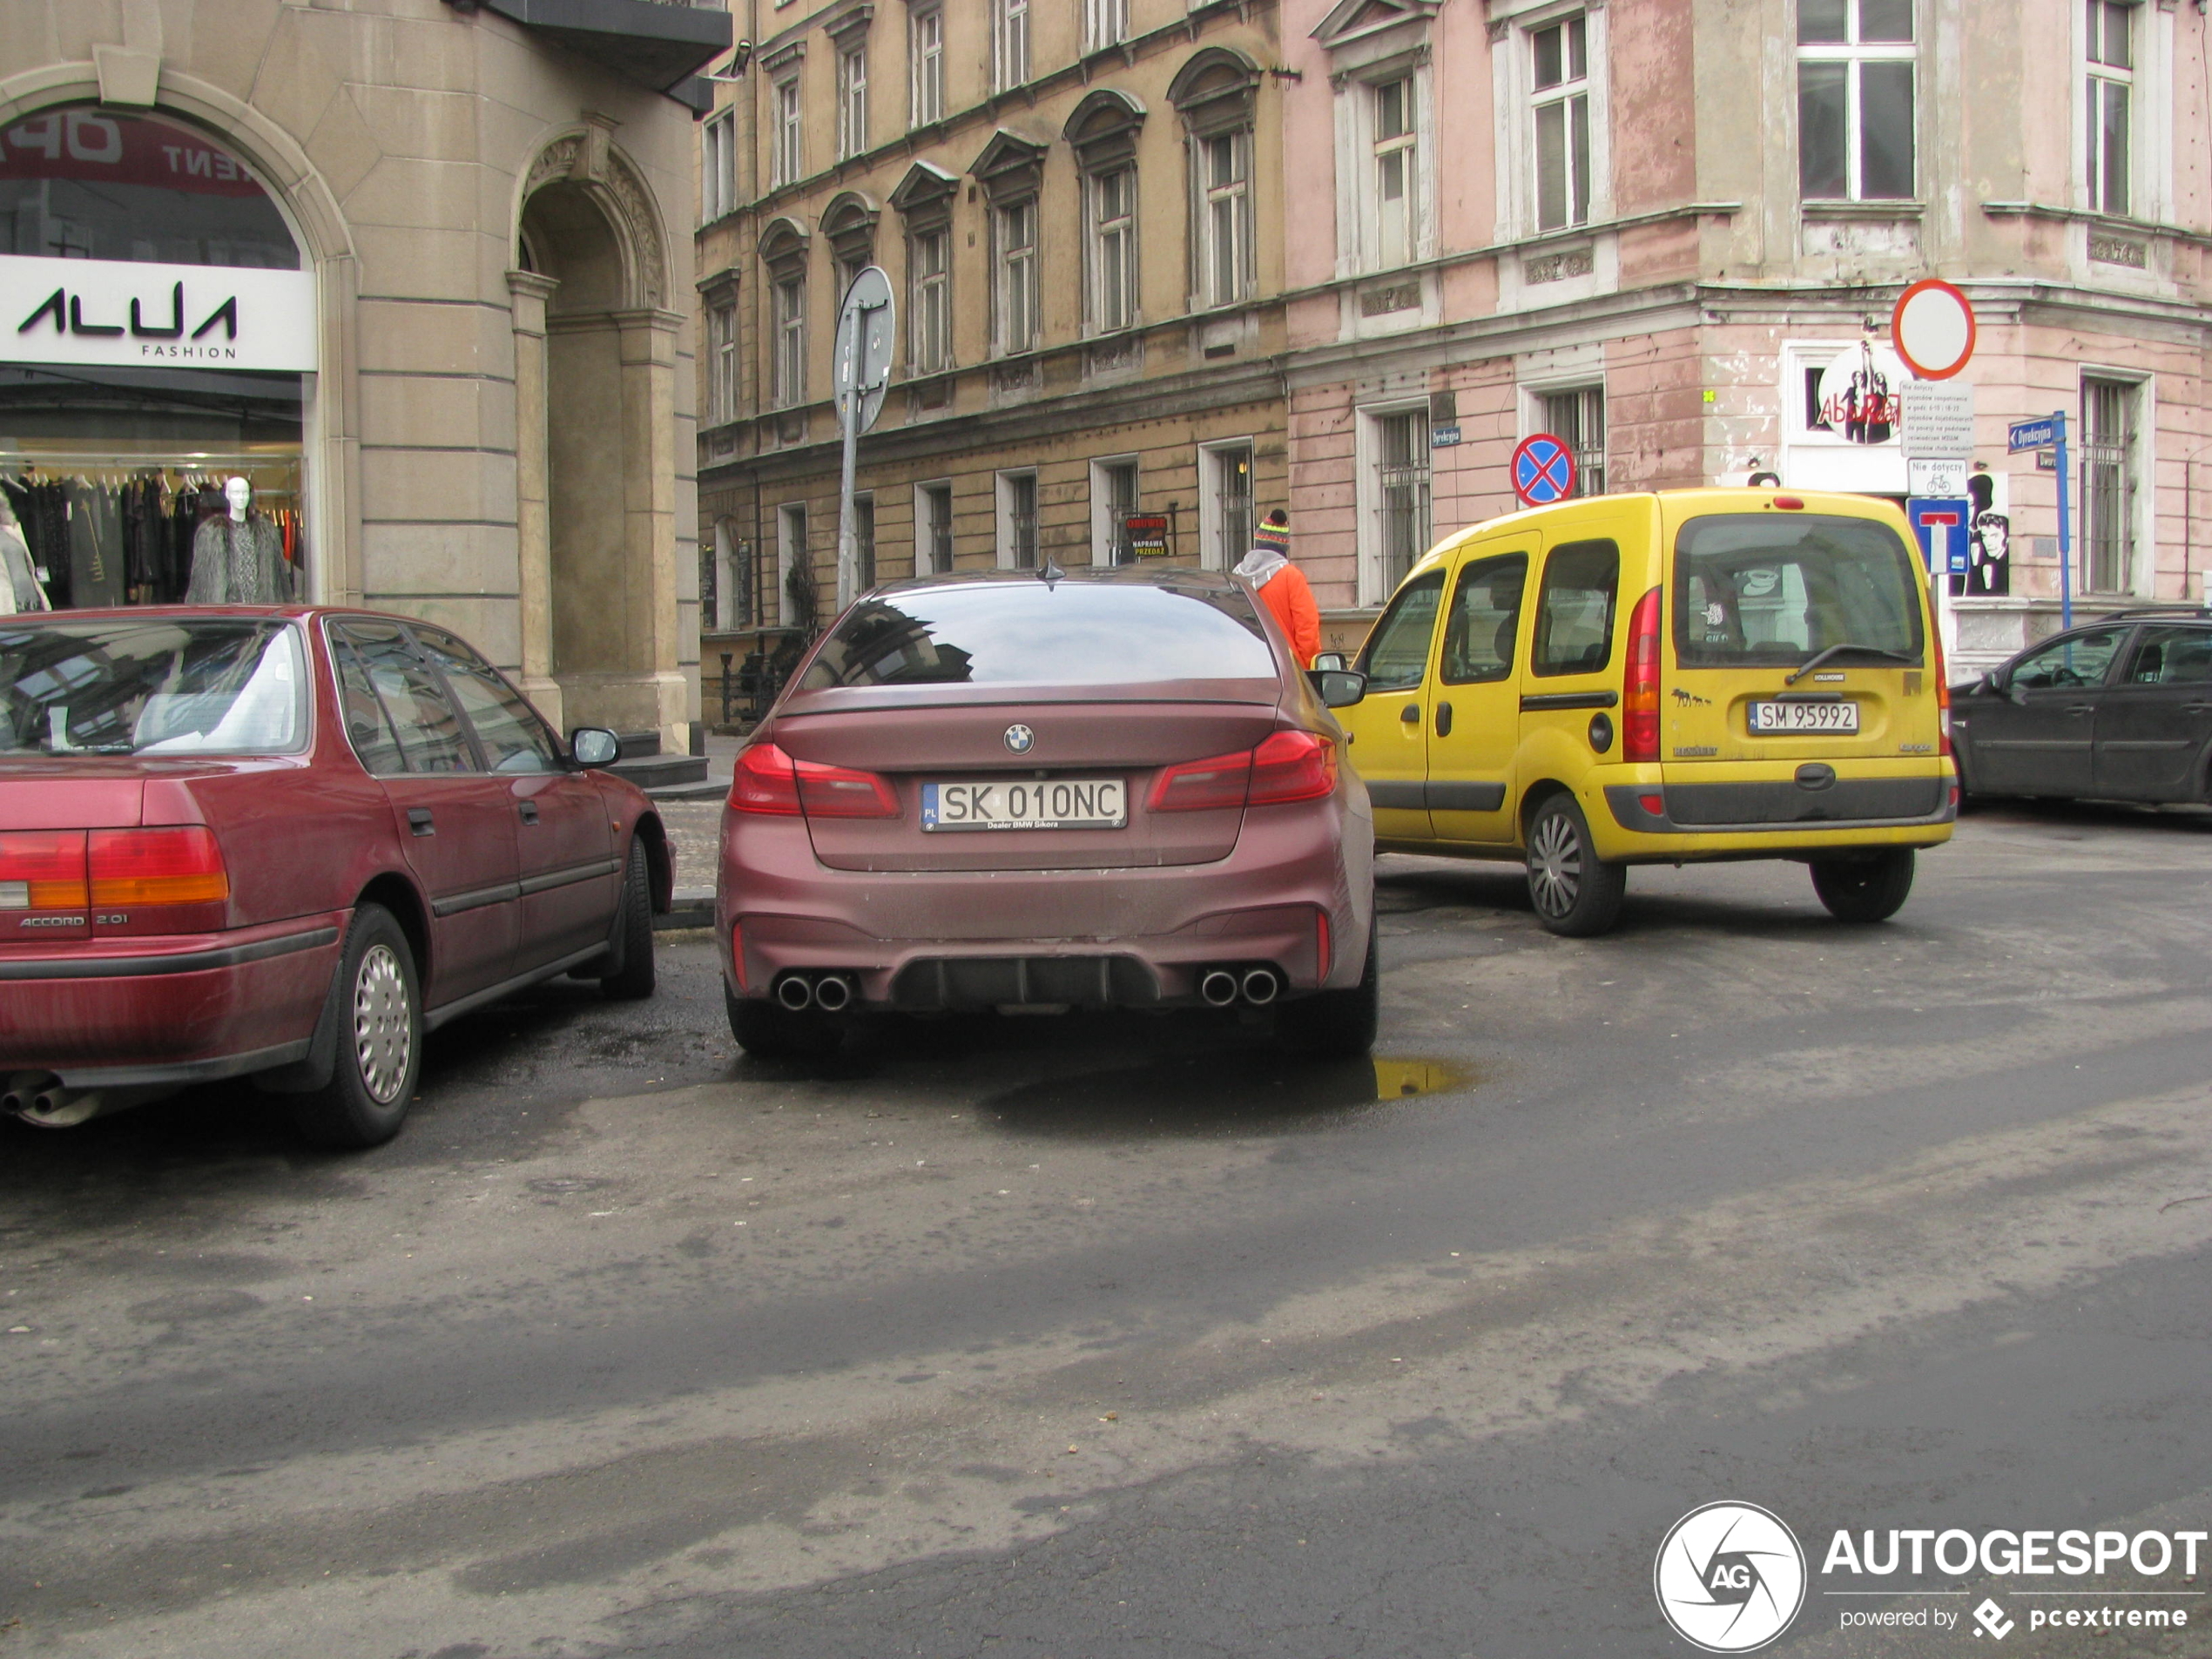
(833, 993)
(1219, 987)
(1260, 986)
(794, 992)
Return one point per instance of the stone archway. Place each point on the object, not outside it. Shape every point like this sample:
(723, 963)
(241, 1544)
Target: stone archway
(595, 403)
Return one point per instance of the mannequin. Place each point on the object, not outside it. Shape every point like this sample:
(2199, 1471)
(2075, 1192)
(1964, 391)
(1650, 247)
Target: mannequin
(238, 558)
(19, 589)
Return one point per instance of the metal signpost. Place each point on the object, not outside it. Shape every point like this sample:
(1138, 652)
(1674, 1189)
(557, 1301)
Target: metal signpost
(867, 325)
(1543, 470)
(2050, 433)
(1932, 329)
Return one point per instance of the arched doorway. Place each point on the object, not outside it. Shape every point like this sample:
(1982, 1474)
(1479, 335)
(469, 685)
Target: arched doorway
(594, 389)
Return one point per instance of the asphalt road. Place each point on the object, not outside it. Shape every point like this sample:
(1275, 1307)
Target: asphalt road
(1124, 1338)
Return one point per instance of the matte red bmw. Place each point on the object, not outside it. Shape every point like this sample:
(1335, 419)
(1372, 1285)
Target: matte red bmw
(286, 842)
(1028, 792)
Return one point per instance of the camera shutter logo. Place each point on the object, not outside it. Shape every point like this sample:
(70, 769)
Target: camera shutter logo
(1730, 1577)
(1019, 738)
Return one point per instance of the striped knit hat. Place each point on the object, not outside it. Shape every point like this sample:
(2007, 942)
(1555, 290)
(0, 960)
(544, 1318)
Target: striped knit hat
(1274, 532)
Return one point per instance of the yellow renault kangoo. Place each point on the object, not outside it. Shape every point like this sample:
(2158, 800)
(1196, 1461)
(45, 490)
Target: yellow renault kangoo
(1695, 674)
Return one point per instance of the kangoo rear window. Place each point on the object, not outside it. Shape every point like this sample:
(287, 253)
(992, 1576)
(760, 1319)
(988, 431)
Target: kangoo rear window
(1763, 589)
(1039, 633)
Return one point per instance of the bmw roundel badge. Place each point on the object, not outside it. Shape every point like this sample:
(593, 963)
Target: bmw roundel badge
(1019, 738)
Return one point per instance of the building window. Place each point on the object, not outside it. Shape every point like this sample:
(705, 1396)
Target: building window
(2108, 485)
(2112, 77)
(733, 578)
(1016, 301)
(863, 543)
(852, 100)
(929, 303)
(786, 152)
(925, 66)
(717, 168)
(1224, 504)
(1105, 24)
(1018, 520)
(1576, 418)
(1009, 42)
(1113, 250)
(1401, 493)
(1225, 221)
(1397, 209)
(1562, 116)
(1113, 499)
(722, 362)
(791, 342)
(934, 526)
(1855, 114)
(791, 555)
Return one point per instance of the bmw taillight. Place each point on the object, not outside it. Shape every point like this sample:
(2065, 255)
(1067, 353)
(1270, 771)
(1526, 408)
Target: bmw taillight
(1640, 723)
(43, 870)
(172, 863)
(1286, 766)
(766, 779)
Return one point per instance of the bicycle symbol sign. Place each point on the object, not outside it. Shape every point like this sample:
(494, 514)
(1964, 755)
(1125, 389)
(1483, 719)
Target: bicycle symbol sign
(1543, 470)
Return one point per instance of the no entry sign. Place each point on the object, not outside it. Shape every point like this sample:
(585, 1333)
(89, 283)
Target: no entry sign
(1543, 470)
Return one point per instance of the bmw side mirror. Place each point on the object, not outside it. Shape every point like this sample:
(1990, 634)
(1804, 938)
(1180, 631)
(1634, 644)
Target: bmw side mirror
(1329, 659)
(1339, 687)
(594, 745)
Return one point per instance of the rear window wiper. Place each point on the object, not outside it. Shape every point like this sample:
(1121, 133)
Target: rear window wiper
(1820, 656)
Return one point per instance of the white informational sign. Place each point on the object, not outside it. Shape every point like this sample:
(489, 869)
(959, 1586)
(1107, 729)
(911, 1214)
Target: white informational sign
(116, 313)
(1939, 479)
(1938, 423)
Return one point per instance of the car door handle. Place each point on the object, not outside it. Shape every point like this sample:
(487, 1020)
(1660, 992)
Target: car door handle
(2080, 708)
(1443, 720)
(419, 820)
(1411, 714)
(2196, 708)
(528, 810)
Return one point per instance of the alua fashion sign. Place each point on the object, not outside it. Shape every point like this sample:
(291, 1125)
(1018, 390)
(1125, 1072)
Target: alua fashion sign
(109, 312)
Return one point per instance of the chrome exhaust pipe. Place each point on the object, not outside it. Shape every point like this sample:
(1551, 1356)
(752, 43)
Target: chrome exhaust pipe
(56, 1106)
(833, 993)
(1219, 987)
(1260, 986)
(794, 992)
(23, 1088)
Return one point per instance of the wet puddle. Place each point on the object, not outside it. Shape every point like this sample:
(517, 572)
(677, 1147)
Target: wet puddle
(1395, 1078)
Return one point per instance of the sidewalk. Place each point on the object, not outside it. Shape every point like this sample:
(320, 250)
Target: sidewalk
(694, 833)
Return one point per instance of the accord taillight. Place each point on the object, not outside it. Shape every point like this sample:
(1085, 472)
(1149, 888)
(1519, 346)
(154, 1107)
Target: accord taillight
(1286, 766)
(43, 870)
(173, 864)
(768, 780)
(1640, 726)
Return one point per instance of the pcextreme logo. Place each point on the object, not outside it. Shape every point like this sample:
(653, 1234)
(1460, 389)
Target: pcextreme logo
(1730, 1577)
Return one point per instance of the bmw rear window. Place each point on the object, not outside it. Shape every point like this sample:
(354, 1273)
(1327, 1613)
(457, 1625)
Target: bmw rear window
(1075, 632)
(1764, 590)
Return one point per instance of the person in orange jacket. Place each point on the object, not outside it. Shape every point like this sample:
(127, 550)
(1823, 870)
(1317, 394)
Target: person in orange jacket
(1282, 588)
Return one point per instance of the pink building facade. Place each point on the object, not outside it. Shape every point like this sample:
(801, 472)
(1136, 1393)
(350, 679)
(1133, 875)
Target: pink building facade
(1672, 232)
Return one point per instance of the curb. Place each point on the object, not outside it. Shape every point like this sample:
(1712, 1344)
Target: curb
(690, 907)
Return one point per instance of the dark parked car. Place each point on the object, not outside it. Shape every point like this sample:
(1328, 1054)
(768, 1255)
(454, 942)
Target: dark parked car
(286, 842)
(1103, 789)
(2115, 710)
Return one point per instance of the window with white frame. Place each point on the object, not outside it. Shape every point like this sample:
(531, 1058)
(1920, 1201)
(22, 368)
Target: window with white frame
(1559, 80)
(1105, 24)
(717, 168)
(2110, 483)
(1224, 504)
(929, 299)
(1855, 100)
(790, 342)
(1016, 293)
(1018, 519)
(853, 98)
(1576, 417)
(2110, 49)
(1009, 42)
(934, 527)
(1396, 144)
(1401, 491)
(722, 361)
(1225, 255)
(863, 541)
(786, 151)
(1113, 500)
(925, 66)
(1111, 261)
(790, 554)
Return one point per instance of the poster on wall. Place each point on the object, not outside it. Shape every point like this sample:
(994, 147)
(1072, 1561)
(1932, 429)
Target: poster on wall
(1989, 546)
(113, 313)
(1857, 398)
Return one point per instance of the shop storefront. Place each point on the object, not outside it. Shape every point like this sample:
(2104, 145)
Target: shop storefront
(158, 345)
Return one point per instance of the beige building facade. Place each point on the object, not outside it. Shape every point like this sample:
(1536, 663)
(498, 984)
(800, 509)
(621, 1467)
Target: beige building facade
(420, 271)
(1078, 210)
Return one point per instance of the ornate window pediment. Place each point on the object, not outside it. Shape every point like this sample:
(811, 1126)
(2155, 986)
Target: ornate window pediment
(849, 222)
(1102, 131)
(1011, 166)
(1216, 90)
(927, 191)
(783, 247)
(1351, 20)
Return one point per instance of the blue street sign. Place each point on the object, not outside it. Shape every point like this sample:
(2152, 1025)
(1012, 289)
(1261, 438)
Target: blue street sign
(2032, 435)
(1945, 530)
(1543, 470)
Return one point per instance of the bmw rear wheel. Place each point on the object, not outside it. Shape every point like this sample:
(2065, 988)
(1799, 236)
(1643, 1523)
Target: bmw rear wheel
(1337, 1025)
(1575, 894)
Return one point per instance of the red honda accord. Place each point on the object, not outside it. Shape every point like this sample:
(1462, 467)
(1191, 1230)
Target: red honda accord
(1025, 793)
(287, 842)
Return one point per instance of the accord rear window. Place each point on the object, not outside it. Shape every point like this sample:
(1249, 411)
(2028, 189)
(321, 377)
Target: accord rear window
(223, 686)
(1766, 589)
(1073, 633)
